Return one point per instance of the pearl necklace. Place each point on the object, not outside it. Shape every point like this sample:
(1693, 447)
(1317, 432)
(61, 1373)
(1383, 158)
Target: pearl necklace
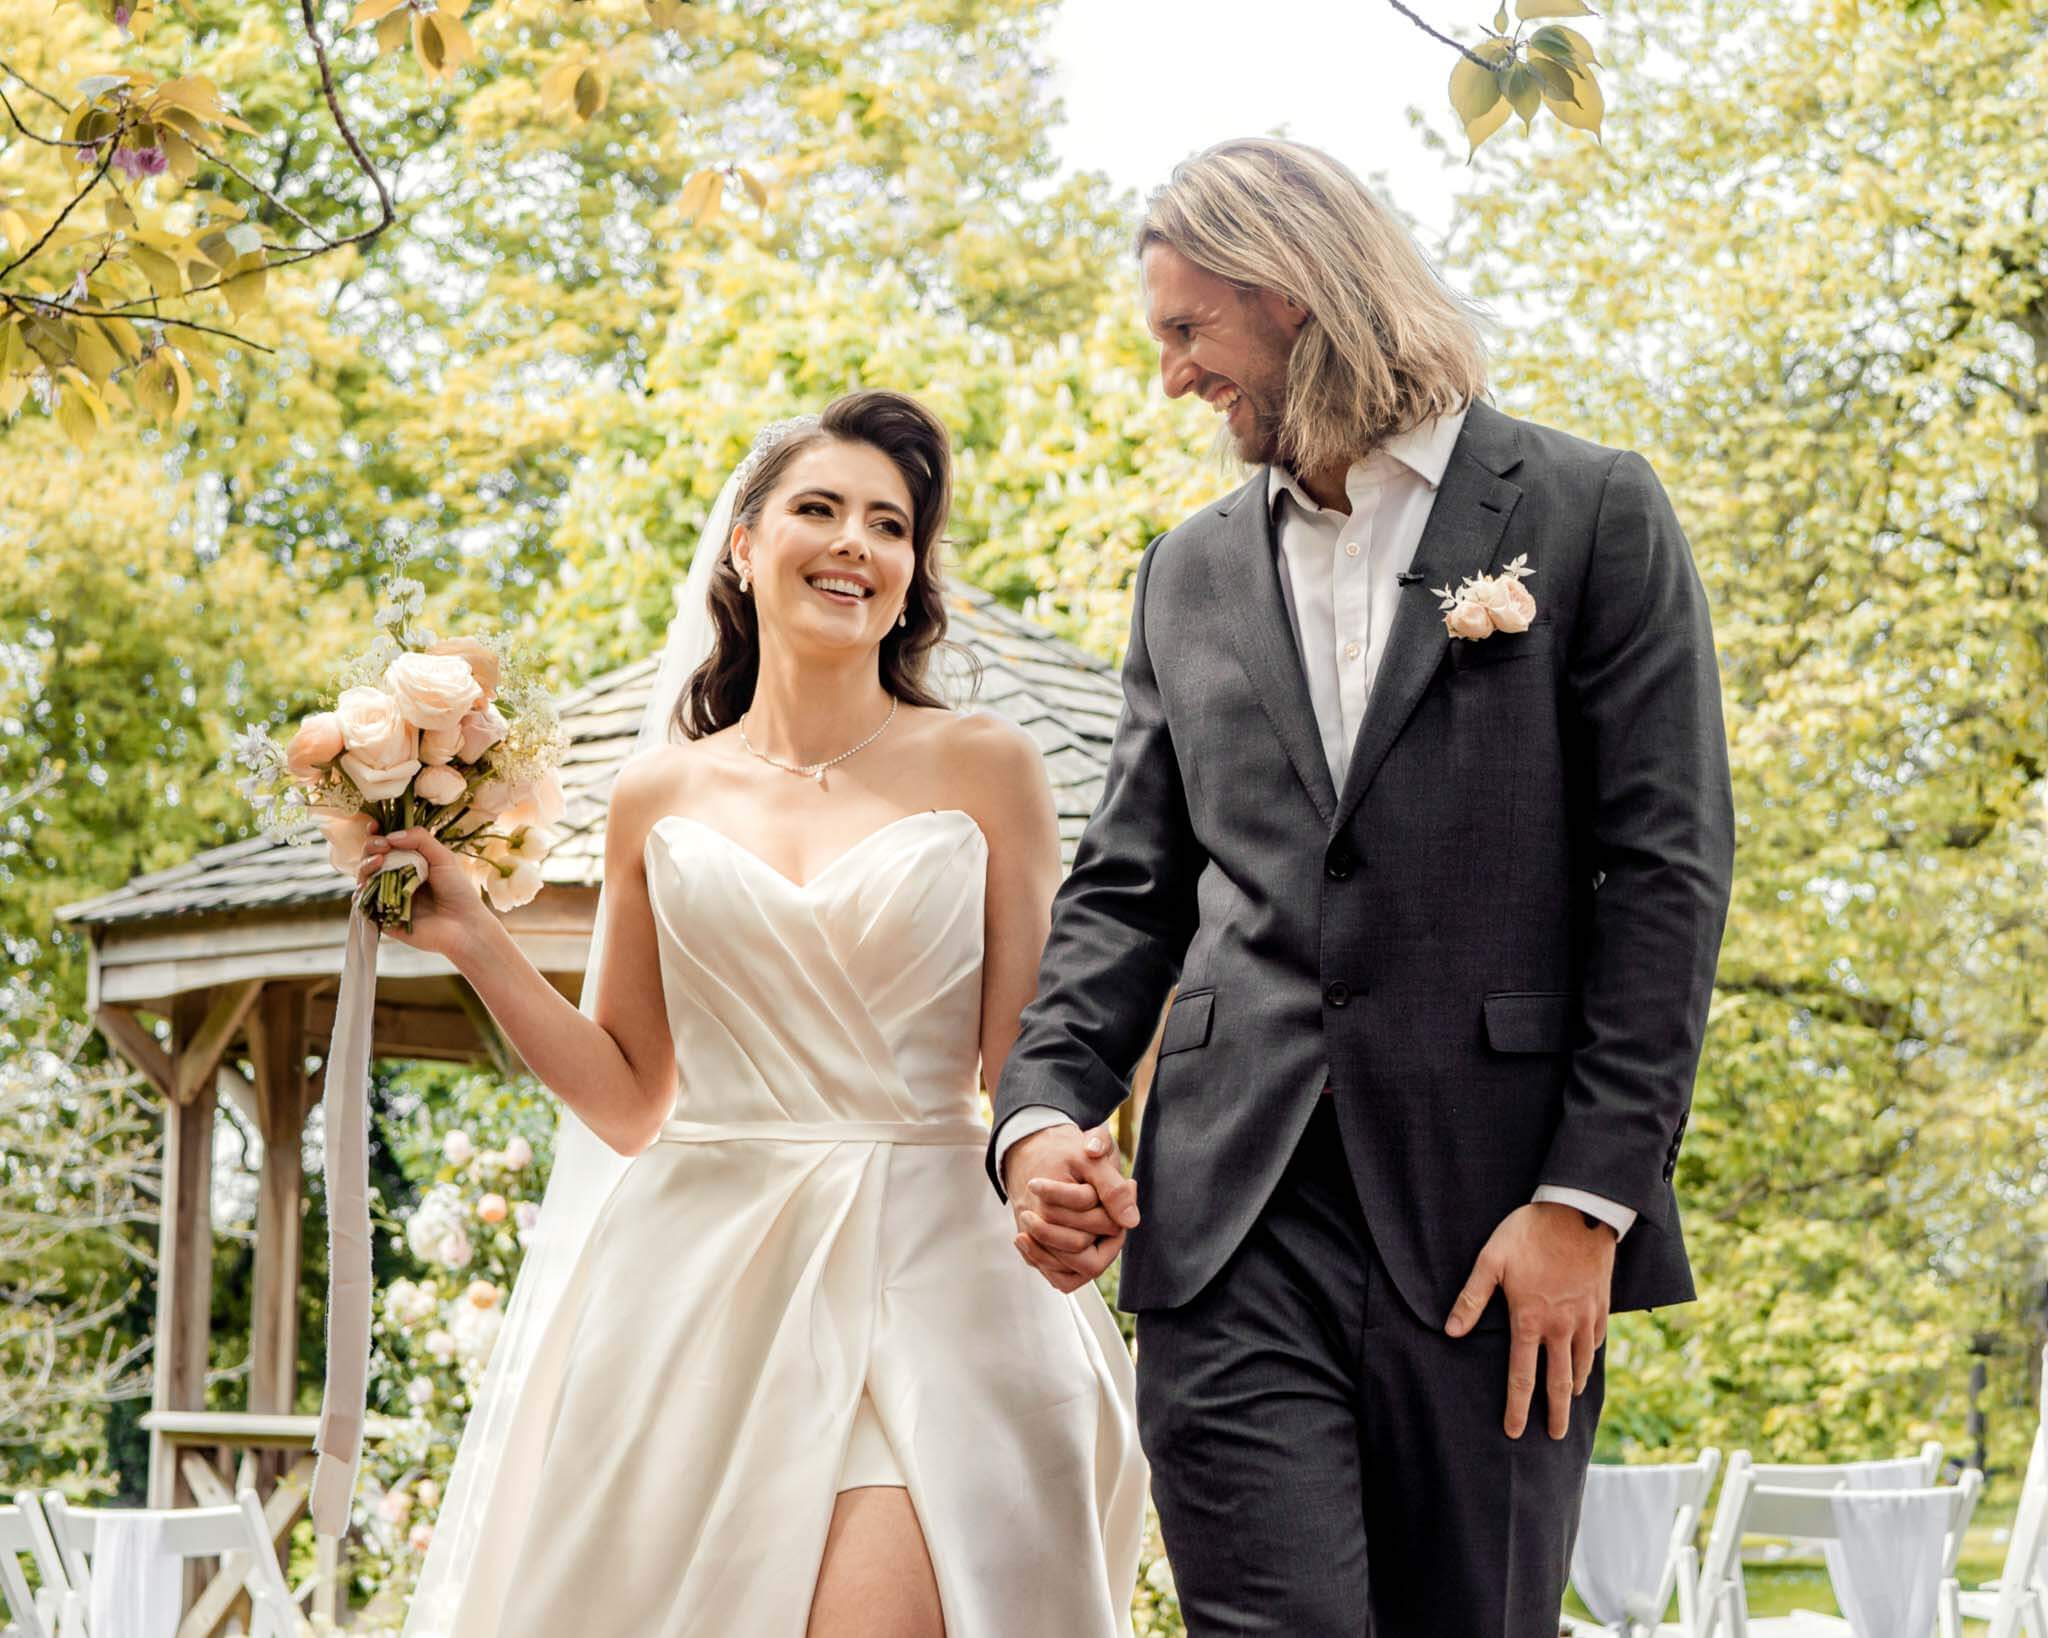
(816, 770)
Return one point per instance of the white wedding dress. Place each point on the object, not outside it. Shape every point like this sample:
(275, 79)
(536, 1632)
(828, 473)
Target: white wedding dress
(812, 1249)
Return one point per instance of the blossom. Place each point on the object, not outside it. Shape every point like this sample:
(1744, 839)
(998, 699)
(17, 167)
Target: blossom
(1518, 610)
(419, 1392)
(1469, 620)
(492, 1208)
(436, 1231)
(539, 802)
(428, 1492)
(440, 1344)
(514, 887)
(382, 754)
(408, 1304)
(394, 1506)
(476, 1333)
(481, 661)
(518, 1154)
(482, 1294)
(433, 690)
(457, 1149)
(346, 833)
(440, 786)
(421, 1539)
(481, 729)
(136, 163)
(318, 740)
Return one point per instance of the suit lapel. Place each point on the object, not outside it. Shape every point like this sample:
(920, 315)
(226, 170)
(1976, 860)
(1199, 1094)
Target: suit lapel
(1244, 581)
(1465, 525)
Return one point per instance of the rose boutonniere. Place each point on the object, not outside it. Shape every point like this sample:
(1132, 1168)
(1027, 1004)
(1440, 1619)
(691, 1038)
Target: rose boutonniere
(1488, 603)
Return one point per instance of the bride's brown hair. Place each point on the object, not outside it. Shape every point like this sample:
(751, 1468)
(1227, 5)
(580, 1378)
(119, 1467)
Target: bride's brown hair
(913, 439)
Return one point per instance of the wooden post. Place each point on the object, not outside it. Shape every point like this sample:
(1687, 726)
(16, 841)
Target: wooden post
(184, 1282)
(277, 1054)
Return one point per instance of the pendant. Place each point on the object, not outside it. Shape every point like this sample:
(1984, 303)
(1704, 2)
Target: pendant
(818, 777)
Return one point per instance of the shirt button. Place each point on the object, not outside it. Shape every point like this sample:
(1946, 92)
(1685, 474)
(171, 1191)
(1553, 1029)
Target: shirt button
(1338, 995)
(1350, 651)
(1350, 548)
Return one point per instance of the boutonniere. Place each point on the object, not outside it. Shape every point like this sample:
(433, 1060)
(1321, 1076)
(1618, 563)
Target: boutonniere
(1488, 603)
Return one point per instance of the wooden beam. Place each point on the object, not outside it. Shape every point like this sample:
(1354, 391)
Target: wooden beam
(127, 1035)
(400, 1030)
(184, 1284)
(277, 1053)
(503, 1054)
(198, 1059)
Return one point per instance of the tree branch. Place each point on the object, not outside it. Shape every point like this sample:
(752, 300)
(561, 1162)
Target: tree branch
(1435, 34)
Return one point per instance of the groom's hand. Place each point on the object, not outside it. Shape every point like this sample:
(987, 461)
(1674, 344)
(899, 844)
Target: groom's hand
(1555, 1270)
(1072, 1202)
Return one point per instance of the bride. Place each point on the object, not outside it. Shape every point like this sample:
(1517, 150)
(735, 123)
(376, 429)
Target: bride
(782, 1372)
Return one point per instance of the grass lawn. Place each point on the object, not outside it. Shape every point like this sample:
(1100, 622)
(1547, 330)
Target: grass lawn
(1801, 1583)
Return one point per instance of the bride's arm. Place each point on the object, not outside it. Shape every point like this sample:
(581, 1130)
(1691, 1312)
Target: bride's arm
(617, 1071)
(1012, 802)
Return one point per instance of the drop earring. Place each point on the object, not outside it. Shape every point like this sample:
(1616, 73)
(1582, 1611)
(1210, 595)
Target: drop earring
(903, 615)
(746, 577)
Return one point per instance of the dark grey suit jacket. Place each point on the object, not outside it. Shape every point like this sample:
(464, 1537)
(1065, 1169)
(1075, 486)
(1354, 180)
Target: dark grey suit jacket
(1497, 941)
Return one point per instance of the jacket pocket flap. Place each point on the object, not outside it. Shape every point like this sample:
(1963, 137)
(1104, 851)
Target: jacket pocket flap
(1529, 1020)
(1187, 1023)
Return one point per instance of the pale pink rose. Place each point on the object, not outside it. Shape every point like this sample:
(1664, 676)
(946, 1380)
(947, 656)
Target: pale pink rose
(482, 662)
(493, 797)
(538, 802)
(346, 833)
(1516, 609)
(421, 1539)
(518, 1154)
(492, 1208)
(456, 1148)
(441, 1345)
(433, 690)
(1470, 620)
(440, 745)
(482, 1294)
(509, 892)
(428, 1492)
(374, 729)
(1489, 591)
(394, 1507)
(318, 740)
(378, 784)
(480, 731)
(440, 785)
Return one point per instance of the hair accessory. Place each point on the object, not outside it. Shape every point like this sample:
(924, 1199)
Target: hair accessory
(768, 437)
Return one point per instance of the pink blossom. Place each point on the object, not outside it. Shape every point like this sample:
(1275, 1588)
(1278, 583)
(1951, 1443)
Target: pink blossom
(1469, 620)
(1516, 608)
(136, 163)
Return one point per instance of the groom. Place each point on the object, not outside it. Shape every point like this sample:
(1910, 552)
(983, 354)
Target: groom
(1443, 911)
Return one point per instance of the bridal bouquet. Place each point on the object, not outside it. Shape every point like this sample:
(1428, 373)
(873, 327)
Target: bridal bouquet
(455, 734)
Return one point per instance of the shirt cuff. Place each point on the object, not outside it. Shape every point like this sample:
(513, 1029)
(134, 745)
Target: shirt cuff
(1617, 1217)
(1033, 1117)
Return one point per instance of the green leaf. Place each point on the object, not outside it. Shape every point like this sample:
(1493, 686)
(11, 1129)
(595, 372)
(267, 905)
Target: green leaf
(1474, 90)
(1568, 45)
(1500, 20)
(1584, 113)
(1524, 93)
(1483, 127)
(1526, 9)
(1555, 79)
(243, 287)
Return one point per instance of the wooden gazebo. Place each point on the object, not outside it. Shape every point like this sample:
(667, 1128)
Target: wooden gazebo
(238, 952)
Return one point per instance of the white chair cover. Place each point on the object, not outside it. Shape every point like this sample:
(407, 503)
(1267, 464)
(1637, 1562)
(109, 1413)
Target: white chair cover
(137, 1585)
(1886, 1561)
(1624, 1536)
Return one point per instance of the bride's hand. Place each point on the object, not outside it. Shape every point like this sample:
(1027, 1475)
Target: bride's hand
(448, 909)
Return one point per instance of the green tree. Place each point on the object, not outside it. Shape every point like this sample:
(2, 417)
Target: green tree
(1816, 303)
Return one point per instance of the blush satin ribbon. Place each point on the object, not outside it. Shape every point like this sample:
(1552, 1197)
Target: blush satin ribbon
(345, 1102)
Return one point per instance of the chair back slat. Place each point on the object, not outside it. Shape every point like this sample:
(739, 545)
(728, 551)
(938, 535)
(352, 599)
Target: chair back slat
(237, 1530)
(1894, 1473)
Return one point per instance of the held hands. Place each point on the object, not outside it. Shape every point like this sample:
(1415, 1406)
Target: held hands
(1072, 1202)
(447, 910)
(1556, 1272)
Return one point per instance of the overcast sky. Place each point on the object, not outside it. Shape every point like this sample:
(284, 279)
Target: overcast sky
(1148, 82)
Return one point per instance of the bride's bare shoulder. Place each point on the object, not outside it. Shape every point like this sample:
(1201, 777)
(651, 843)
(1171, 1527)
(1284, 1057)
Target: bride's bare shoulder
(649, 785)
(992, 765)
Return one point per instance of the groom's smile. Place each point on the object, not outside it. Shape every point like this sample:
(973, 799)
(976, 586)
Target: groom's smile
(1227, 344)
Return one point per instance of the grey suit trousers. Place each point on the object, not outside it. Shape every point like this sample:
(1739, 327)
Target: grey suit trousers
(1326, 1464)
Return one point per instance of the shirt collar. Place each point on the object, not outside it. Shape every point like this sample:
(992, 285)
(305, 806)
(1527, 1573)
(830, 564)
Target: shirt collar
(1424, 449)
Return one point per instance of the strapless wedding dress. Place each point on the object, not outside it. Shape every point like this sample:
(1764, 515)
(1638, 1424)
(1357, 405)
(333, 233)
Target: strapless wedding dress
(812, 1249)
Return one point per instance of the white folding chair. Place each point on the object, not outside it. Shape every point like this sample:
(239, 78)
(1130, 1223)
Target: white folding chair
(1808, 1514)
(2016, 1604)
(236, 1533)
(1890, 1473)
(25, 1533)
(1677, 1492)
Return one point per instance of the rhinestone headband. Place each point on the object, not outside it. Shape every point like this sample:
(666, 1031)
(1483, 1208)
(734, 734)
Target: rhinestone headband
(775, 432)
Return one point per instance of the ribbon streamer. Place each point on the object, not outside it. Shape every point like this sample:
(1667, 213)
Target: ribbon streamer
(345, 1101)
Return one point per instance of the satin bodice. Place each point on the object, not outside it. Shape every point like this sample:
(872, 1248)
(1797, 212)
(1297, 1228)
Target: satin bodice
(855, 996)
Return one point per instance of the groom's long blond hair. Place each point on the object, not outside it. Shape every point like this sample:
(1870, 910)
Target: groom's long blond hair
(1386, 345)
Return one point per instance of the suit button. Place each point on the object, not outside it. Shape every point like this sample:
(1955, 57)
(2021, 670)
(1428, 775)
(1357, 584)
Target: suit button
(1338, 995)
(1339, 865)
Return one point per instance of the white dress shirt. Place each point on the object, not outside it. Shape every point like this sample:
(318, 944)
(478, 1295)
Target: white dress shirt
(1340, 578)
